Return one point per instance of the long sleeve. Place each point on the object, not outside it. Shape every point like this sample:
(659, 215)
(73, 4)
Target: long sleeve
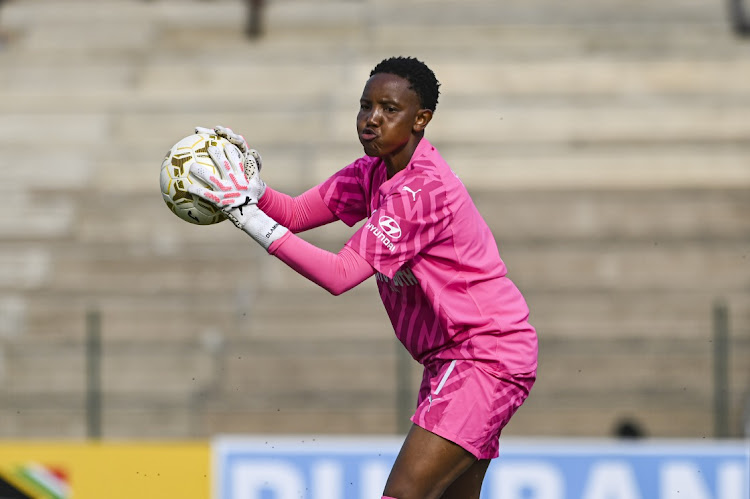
(298, 214)
(336, 273)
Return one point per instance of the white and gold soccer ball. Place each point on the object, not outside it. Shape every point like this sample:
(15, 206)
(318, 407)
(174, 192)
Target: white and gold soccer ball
(175, 177)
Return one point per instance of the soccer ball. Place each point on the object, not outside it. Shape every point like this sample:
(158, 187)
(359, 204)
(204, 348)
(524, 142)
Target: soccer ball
(175, 177)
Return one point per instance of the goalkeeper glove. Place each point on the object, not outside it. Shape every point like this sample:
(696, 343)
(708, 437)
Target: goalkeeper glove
(235, 194)
(239, 141)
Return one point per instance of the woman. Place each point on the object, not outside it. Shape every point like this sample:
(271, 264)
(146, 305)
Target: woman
(438, 269)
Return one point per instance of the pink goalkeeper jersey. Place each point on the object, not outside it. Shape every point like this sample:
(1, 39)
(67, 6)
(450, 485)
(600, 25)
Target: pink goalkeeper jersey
(440, 275)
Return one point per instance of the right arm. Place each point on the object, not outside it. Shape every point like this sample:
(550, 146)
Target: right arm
(298, 214)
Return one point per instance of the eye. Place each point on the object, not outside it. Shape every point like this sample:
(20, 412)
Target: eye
(363, 106)
(391, 109)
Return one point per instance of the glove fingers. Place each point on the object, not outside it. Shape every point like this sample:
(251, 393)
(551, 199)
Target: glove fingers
(206, 175)
(223, 131)
(207, 194)
(200, 129)
(229, 188)
(258, 160)
(232, 137)
(220, 160)
(240, 162)
(200, 172)
(235, 157)
(252, 169)
(231, 171)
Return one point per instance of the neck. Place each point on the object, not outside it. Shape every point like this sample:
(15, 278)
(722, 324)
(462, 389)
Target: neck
(396, 162)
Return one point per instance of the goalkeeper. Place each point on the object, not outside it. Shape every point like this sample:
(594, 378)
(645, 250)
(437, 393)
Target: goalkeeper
(439, 274)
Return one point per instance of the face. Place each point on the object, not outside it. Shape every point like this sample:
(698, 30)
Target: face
(390, 121)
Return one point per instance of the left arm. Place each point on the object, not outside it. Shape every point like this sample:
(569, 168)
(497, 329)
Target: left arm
(336, 273)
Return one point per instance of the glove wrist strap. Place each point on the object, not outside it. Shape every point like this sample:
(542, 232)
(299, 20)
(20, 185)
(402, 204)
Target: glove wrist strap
(262, 228)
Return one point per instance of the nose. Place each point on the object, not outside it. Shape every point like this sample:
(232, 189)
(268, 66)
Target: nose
(372, 118)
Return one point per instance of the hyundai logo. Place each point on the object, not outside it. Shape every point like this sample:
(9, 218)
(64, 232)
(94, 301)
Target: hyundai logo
(390, 227)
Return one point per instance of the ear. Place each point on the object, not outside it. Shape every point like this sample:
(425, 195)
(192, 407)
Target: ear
(422, 119)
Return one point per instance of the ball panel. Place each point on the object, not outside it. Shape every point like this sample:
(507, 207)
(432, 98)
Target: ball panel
(175, 177)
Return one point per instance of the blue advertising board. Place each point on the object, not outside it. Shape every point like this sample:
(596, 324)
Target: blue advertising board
(357, 468)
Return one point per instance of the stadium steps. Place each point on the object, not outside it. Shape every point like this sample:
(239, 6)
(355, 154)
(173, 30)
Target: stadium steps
(186, 314)
(50, 365)
(553, 266)
(605, 144)
(281, 315)
(360, 386)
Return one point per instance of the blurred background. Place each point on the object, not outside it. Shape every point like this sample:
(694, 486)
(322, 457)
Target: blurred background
(606, 143)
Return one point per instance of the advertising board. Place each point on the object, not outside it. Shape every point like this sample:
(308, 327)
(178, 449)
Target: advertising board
(108, 470)
(357, 468)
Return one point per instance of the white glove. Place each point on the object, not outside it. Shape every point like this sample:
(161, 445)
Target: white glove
(236, 195)
(231, 189)
(256, 224)
(239, 141)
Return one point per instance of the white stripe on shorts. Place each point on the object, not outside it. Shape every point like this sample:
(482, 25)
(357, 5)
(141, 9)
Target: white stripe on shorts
(445, 376)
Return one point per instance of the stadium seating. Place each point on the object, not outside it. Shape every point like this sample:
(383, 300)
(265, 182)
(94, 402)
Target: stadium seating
(605, 143)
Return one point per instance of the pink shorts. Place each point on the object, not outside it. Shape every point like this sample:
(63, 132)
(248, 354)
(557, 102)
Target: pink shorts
(464, 402)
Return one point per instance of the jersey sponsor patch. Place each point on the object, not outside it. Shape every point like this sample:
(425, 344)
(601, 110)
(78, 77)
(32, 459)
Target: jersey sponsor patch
(390, 227)
(387, 231)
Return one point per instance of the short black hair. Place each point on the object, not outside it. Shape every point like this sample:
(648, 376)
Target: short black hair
(421, 78)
